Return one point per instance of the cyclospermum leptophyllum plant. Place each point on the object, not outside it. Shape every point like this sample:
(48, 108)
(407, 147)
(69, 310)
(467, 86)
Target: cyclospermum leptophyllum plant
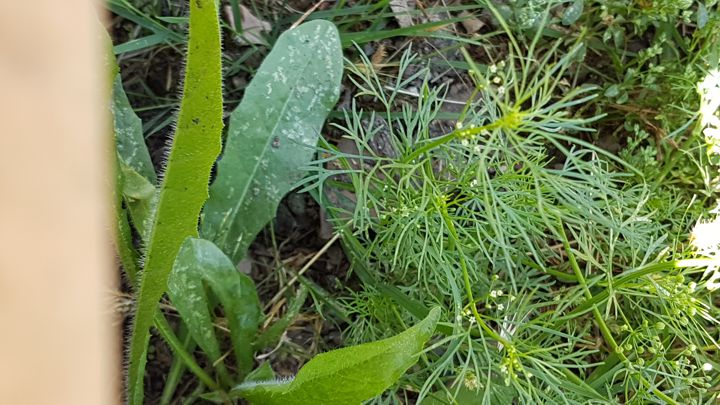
(466, 219)
(271, 135)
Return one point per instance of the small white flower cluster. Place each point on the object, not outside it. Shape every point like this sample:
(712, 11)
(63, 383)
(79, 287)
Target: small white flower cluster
(469, 132)
(498, 294)
(496, 78)
(469, 315)
(471, 381)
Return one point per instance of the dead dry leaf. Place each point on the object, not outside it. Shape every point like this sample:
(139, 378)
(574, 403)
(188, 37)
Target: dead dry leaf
(252, 27)
(378, 57)
(471, 24)
(402, 10)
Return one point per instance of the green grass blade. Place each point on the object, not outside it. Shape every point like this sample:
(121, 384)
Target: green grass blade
(200, 263)
(177, 368)
(140, 43)
(349, 375)
(184, 189)
(272, 134)
(123, 234)
(126, 10)
(237, 15)
(178, 349)
(138, 193)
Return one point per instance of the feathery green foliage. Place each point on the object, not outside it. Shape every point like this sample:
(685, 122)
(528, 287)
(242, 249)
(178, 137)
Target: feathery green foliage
(561, 263)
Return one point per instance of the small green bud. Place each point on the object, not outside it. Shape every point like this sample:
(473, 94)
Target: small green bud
(471, 381)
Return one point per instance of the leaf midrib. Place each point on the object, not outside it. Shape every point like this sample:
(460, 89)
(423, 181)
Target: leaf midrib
(224, 225)
(293, 386)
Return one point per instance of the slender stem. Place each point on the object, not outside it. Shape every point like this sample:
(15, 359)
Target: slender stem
(442, 207)
(627, 277)
(177, 368)
(607, 335)
(125, 249)
(458, 133)
(577, 380)
(675, 155)
(178, 348)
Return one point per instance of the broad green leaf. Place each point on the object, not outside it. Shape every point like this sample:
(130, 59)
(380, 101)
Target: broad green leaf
(272, 134)
(139, 177)
(346, 376)
(129, 135)
(198, 264)
(124, 133)
(138, 194)
(134, 185)
(702, 16)
(264, 372)
(183, 191)
(573, 12)
(123, 233)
